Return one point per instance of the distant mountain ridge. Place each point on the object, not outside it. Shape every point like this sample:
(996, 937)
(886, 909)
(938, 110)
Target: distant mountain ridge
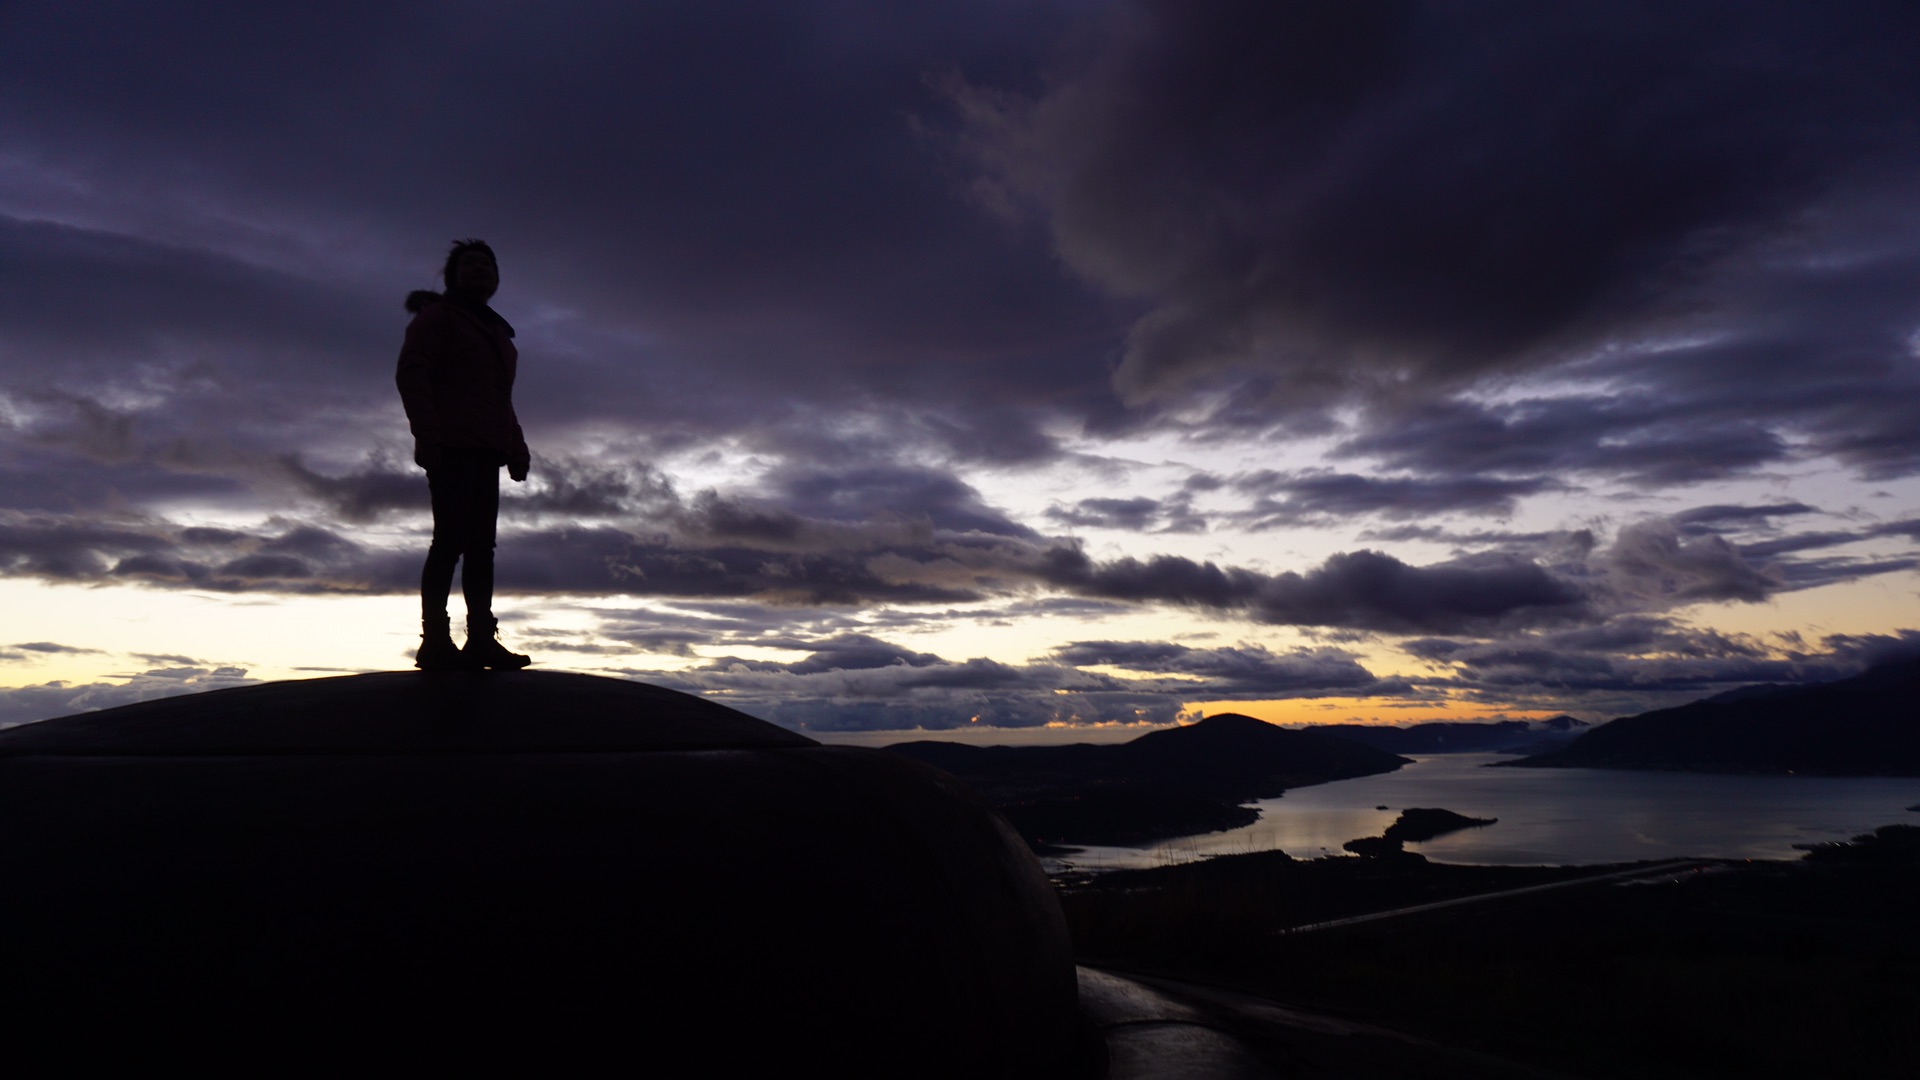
(1174, 782)
(1461, 736)
(1868, 725)
(1232, 757)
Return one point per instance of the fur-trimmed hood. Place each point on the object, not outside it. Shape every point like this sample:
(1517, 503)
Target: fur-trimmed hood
(420, 300)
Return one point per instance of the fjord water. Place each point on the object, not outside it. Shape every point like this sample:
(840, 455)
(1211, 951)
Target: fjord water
(1555, 816)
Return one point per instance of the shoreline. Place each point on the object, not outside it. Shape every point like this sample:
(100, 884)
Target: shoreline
(1591, 970)
(1546, 817)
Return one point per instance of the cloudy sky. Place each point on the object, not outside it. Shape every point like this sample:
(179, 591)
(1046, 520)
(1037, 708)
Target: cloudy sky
(979, 365)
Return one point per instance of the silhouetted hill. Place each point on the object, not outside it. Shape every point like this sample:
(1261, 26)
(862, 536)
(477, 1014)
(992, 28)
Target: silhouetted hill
(1177, 782)
(1868, 725)
(1749, 693)
(1237, 757)
(1460, 737)
(1231, 757)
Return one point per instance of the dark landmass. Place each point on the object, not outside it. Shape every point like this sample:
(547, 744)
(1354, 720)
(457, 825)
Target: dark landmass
(1239, 758)
(1177, 782)
(1256, 895)
(1461, 737)
(1868, 725)
(1379, 847)
(1424, 823)
(1751, 693)
(1227, 757)
(1704, 969)
(1122, 815)
(1412, 826)
(1888, 845)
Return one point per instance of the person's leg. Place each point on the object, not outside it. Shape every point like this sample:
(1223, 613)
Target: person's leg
(479, 532)
(437, 651)
(480, 511)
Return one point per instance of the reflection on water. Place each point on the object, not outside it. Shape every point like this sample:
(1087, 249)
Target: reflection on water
(1554, 816)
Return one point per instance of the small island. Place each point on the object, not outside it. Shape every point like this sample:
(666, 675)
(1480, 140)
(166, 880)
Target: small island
(1412, 826)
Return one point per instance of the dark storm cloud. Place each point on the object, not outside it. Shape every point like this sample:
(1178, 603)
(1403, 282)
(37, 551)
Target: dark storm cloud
(860, 494)
(1356, 590)
(1557, 545)
(51, 647)
(747, 219)
(1638, 437)
(45, 701)
(1173, 514)
(1300, 497)
(299, 558)
(563, 486)
(812, 538)
(1868, 650)
(848, 652)
(859, 682)
(1909, 529)
(676, 625)
(35, 480)
(1245, 670)
(154, 370)
(1814, 340)
(362, 496)
(1135, 514)
(72, 296)
(1651, 561)
(1809, 573)
(38, 649)
(750, 188)
(1543, 579)
(56, 549)
(1635, 663)
(937, 695)
(1684, 558)
(784, 558)
(1348, 192)
(1688, 556)
(1810, 541)
(897, 536)
(1721, 515)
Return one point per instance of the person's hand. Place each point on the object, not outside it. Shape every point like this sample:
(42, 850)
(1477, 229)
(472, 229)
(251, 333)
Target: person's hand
(517, 469)
(426, 455)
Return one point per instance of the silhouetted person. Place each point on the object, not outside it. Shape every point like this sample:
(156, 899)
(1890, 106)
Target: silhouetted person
(456, 380)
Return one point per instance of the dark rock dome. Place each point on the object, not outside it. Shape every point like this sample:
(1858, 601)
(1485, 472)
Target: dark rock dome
(512, 870)
(409, 712)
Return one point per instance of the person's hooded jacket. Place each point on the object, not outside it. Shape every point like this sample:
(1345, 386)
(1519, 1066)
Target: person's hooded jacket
(456, 374)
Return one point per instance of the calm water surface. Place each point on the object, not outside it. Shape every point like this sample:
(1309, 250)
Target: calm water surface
(1554, 816)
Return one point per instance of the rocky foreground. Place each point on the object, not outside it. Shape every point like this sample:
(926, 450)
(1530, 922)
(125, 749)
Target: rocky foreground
(1701, 968)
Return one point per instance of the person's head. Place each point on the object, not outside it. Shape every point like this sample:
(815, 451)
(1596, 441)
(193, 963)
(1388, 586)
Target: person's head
(471, 268)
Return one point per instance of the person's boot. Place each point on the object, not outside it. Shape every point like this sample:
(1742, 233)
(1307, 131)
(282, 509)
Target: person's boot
(483, 650)
(437, 650)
